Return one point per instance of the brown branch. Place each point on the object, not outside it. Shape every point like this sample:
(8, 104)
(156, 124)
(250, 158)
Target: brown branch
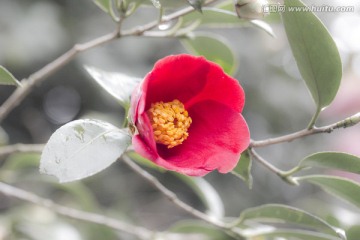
(19, 147)
(171, 195)
(140, 232)
(348, 122)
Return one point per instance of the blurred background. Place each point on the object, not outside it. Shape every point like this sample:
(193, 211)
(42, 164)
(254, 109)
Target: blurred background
(33, 33)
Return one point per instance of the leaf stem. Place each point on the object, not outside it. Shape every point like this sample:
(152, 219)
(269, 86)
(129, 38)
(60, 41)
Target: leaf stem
(314, 118)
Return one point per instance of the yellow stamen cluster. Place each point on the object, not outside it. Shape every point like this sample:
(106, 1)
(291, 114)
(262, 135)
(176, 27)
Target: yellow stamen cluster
(170, 122)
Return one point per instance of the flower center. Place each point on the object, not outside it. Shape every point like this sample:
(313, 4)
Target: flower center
(170, 122)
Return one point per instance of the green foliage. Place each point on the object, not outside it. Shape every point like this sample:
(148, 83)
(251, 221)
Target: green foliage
(315, 53)
(198, 229)
(104, 5)
(6, 78)
(214, 48)
(118, 85)
(82, 148)
(196, 4)
(276, 234)
(276, 213)
(345, 189)
(243, 168)
(220, 18)
(353, 232)
(4, 138)
(334, 160)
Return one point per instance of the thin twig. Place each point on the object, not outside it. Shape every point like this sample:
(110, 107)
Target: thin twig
(171, 195)
(348, 122)
(138, 31)
(140, 232)
(19, 147)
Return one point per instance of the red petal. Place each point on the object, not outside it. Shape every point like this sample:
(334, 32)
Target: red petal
(221, 88)
(216, 139)
(176, 77)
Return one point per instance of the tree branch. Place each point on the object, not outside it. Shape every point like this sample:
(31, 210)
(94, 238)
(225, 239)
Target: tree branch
(19, 147)
(36, 78)
(140, 232)
(171, 195)
(348, 122)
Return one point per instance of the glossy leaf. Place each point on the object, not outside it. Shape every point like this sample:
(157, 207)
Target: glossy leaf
(353, 232)
(104, 5)
(207, 194)
(198, 229)
(276, 234)
(156, 3)
(243, 168)
(334, 160)
(276, 213)
(116, 84)
(82, 148)
(6, 78)
(213, 48)
(315, 52)
(196, 4)
(4, 138)
(343, 188)
(214, 17)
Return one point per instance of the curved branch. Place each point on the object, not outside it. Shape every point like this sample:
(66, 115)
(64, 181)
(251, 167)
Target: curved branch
(19, 147)
(36, 78)
(171, 195)
(140, 232)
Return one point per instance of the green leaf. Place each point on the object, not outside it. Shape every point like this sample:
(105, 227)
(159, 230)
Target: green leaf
(214, 17)
(82, 148)
(199, 229)
(353, 232)
(156, 3)
(276, 234)
(334, 160)
(6, 78)
(116, 84)
(315, 52)
(4, 138)
(343, 188)
(212, 47)
(276, 213)
(196, 4)
(243, 168)
(104, 5)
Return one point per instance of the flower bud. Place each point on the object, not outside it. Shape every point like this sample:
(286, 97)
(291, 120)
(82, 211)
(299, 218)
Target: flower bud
(250, 9)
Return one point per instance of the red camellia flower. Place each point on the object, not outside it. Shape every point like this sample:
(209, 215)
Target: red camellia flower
(188, 115)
